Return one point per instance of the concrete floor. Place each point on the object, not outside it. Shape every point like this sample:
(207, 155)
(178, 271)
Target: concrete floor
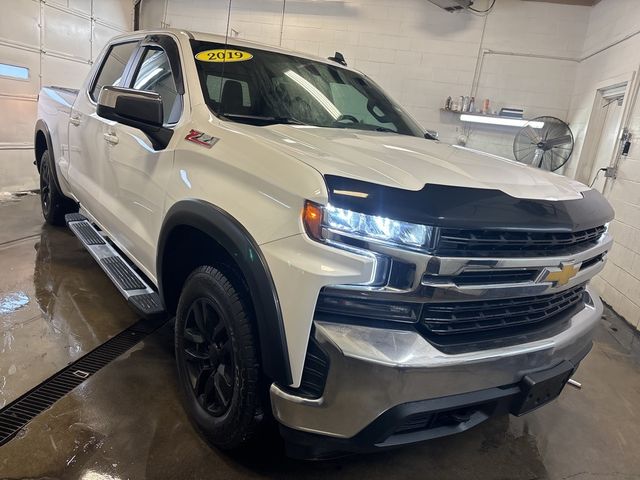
(126, 421)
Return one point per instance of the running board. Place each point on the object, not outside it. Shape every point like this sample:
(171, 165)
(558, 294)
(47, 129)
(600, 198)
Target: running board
(141, 297)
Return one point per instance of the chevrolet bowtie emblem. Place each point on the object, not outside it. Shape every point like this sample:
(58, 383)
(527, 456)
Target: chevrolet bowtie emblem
(562, 275)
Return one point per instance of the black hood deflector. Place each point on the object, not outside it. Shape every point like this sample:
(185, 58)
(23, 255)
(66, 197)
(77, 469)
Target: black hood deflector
(469, 208)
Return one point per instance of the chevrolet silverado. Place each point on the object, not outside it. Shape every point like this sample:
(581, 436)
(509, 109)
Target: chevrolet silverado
(328, 263)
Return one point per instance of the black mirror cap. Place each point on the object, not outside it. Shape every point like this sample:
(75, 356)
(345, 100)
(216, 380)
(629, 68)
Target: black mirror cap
(135, 108)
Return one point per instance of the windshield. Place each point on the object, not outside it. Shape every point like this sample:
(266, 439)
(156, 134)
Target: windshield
(262, 88)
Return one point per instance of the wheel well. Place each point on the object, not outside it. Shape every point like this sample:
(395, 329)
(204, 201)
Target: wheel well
(186, 249)
(40, 146)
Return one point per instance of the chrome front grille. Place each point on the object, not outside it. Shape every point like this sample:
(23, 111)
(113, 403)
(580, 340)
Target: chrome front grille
(503, 243)
(479, 316)
(467, 303)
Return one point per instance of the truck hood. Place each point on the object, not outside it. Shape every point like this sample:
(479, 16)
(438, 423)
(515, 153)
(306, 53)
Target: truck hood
(409, 163)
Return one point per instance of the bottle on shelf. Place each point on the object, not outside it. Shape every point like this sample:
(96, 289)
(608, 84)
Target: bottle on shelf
(486, 106)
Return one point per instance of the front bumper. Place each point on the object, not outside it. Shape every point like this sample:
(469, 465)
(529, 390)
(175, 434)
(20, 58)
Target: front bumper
(380, 379)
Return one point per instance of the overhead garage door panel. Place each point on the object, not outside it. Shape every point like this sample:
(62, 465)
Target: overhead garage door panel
(115, 12)
(66, 33)
(81, 5)
(20, 128)
(101, 35)
(63, 73)
(20, 58)
(21, 26)
(55, 40)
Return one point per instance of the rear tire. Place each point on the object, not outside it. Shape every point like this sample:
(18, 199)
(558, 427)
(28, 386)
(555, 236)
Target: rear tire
(54, 204)
(217, 359)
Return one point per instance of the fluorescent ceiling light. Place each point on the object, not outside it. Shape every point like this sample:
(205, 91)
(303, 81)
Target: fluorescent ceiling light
(508, 122)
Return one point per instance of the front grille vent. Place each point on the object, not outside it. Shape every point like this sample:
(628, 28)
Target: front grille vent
(314, 375)
(479, 316)
(497, 243)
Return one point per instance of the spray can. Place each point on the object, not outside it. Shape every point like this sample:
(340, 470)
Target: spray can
(461, 104)
(486, 106)
(447, 104)
(472, 104)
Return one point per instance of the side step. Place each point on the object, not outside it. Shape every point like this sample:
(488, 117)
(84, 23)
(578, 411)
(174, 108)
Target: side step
(141, 297)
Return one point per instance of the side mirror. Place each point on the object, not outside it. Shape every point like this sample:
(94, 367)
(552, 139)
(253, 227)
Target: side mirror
(431, 135)
(137, 109)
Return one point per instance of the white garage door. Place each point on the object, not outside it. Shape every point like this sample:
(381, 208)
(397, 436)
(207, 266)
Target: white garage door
(45, 43)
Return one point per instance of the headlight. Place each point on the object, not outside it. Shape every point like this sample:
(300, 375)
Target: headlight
(364, 227)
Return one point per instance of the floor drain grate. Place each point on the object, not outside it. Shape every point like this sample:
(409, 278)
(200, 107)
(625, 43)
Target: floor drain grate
(18, 413)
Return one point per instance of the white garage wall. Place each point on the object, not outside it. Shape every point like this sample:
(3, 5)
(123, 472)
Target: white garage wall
(611, 21)
(417, 51)
(58, 41)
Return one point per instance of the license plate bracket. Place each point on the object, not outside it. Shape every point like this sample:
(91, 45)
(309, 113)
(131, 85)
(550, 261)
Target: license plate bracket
(540, 388)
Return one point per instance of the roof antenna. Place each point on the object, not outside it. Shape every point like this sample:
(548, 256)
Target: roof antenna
(338, 58)
(226, 44)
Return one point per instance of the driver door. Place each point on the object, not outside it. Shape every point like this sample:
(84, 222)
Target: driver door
(138, 173)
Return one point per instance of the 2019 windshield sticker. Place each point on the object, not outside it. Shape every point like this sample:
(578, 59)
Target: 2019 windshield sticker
(221, 55)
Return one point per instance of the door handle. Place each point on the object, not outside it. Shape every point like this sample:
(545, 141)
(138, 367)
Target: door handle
(75, 120)
(111, 138)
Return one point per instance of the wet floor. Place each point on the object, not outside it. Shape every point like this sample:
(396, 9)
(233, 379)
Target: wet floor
(126, 422)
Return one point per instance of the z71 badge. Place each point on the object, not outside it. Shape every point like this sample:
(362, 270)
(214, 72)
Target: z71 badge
(201, 138)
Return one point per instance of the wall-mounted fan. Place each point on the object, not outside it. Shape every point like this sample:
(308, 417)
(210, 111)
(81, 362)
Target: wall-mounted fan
(544, 142)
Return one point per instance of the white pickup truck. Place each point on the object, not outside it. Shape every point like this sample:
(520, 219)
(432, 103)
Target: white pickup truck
(327, 262)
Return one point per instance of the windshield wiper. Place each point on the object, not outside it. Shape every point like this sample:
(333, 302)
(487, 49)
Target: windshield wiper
(364, 126)
(261, 120)
(385, 129)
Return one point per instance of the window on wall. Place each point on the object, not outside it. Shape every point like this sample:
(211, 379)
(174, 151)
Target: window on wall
(113, 67)
(14, 71)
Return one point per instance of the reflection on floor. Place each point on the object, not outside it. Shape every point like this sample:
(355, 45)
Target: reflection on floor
(127, 422)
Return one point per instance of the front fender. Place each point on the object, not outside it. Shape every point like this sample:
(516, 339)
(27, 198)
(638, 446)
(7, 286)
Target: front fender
(243, 249)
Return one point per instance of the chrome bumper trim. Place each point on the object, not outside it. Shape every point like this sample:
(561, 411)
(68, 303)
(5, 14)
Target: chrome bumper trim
(374, 369)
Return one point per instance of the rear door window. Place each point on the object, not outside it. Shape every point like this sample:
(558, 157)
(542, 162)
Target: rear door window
(112, 69)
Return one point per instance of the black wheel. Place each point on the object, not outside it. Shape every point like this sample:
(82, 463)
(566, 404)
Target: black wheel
(54, 204)
(217, 357)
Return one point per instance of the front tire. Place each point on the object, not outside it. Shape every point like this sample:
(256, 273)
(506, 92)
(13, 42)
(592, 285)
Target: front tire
(54, 204)
(217, 359)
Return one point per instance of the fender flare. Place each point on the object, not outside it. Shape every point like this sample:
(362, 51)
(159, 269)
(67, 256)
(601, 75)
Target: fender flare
(238, 242)
(41, 126)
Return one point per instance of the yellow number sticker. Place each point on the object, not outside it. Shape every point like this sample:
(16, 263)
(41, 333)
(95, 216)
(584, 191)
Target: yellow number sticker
(221, 55)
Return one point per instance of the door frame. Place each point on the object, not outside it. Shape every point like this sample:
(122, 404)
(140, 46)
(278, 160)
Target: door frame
(595, 125)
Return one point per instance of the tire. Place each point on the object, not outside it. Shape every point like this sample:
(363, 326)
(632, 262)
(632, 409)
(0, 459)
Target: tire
(217, 359)
(54, 204)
